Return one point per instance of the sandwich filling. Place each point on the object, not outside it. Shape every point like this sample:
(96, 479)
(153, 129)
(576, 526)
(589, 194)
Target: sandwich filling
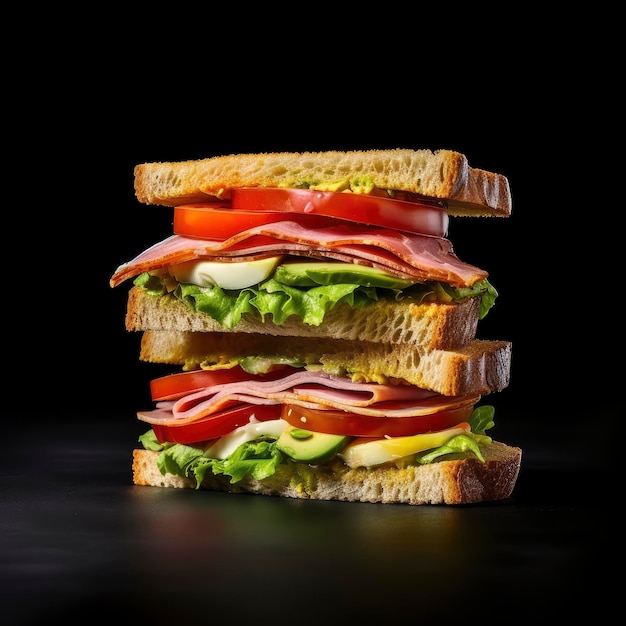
(226, 261)
(278, 253)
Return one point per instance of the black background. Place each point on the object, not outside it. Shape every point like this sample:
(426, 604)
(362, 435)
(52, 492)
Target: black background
(107, 93)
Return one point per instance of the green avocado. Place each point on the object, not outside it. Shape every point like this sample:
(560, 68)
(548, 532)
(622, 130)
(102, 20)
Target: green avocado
(311, 274)
(310, 447)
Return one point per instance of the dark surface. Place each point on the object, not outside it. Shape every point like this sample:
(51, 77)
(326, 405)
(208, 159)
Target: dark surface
(79, 541)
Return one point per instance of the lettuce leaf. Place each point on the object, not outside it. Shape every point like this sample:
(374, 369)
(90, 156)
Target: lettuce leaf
(458, 444)
(310, 304)
(257, 458)
(481, 419)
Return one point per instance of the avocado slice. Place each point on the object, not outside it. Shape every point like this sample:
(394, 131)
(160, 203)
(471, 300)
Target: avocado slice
(307, 446)
(311, 274)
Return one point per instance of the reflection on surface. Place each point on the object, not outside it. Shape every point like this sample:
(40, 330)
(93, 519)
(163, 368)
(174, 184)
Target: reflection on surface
(265, 547)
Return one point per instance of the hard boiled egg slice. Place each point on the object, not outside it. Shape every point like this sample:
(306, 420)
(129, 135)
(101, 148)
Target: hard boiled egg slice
(227, 275)
(227, 444)
(377, 451)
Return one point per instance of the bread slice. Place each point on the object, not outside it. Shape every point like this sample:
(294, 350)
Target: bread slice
(440, 174)
(430, 325)
(455, 481)
(480, 367)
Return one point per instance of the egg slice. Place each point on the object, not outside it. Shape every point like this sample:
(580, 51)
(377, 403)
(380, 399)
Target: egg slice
(227, 444)
(377, 451)
(227, 275)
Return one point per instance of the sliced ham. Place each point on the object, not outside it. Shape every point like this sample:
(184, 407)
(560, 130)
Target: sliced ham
(416, 256)
(308, 389)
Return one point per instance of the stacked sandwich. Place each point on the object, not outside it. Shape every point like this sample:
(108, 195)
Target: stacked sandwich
(322, 328)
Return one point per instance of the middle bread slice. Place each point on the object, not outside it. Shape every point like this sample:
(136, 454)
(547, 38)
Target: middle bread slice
(478, 367)
(427, 325)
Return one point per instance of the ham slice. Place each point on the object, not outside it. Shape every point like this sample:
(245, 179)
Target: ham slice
(415, 256)
(308, 389)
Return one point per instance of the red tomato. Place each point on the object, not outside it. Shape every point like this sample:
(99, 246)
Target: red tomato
(216, 425)
(178, 385)
(412, 217)
(217, 221)
(342, 423)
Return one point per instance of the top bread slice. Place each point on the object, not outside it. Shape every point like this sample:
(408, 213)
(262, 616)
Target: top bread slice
(443, 174)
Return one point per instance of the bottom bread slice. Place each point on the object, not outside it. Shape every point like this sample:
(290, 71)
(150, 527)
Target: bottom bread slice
(457, 481)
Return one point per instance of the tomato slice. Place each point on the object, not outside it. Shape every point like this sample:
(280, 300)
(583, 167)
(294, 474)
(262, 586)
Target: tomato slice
(217, 221)
(216, 425)
(413, 217)
(342, 423)
(178, 385)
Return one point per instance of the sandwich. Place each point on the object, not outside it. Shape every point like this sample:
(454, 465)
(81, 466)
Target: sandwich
(321, 330)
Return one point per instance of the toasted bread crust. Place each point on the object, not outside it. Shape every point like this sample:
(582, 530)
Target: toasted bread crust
(429, 326)
(441, 174)
(459, 481)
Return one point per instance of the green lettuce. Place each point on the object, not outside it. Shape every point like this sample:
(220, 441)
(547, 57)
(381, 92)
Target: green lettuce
(310, 304)
(257, 458)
